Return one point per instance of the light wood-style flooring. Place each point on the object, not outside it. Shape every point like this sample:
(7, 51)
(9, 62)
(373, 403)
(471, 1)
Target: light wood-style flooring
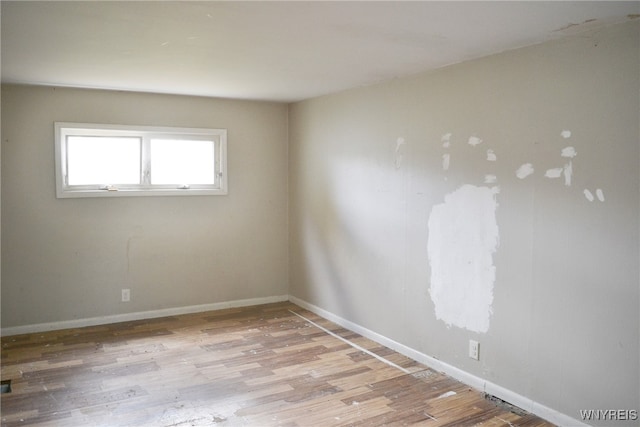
(255, 366)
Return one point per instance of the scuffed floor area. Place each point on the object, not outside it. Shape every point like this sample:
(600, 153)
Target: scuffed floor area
(269, 365)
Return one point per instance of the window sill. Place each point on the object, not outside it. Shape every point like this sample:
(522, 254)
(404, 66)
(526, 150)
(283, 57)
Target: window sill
(70, 194)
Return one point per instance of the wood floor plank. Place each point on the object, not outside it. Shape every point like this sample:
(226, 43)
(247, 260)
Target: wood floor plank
(252, 366)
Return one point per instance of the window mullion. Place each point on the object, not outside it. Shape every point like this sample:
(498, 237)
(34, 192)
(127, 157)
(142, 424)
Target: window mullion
(145, 158)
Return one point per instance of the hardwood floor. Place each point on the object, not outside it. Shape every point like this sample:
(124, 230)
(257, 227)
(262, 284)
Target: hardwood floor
(256, 366)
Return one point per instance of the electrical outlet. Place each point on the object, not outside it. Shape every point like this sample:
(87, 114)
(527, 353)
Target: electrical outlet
(474, 349)
(126, 295)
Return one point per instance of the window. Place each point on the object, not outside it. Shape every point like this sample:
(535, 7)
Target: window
(110, 160)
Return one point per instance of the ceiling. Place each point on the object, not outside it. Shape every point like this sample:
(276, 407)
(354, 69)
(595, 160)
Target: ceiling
(278, 51)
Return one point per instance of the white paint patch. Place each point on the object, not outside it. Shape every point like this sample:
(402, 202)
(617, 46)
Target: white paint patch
(524, 171)
(399, 156)
(474, 140)
(446, 158)
(491, 156)
(463, 236)
(490, 179)
(568, 172)
(446, 140)
(600, 194)
(588, 195)
(447, 394)
(553, 173)
(569, 152)
(566, 134)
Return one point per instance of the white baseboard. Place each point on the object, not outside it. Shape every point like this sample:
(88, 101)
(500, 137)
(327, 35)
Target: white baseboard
(126, 317)
(471, 380)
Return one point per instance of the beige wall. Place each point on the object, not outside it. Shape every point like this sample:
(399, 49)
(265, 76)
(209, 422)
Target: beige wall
(367, 176)
(65, 259)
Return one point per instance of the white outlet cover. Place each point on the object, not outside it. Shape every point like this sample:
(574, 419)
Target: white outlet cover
(474, 349)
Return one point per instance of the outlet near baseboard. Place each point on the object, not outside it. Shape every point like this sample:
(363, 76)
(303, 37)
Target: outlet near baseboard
(474, 350)
(126, 295)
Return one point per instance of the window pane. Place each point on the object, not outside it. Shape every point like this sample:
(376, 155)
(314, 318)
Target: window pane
(182, 161)
(95, 160)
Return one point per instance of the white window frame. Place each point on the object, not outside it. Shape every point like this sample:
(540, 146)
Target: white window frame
(144, 188)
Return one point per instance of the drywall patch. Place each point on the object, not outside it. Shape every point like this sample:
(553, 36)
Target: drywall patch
(553, 173)
(490, 179)
(399, 152)
(524, 171)
(474, 140)
(569, 152)
(446, 140)
(568, 173)
(446, 159)
(463, 236)
(589, 195)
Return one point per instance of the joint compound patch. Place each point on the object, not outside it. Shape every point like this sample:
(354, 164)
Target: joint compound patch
(463, 236)
(399, 152)
(524, 171)
(446, 160)
(474, 140)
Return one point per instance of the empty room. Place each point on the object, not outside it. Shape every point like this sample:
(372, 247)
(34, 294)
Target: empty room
(320, 213)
